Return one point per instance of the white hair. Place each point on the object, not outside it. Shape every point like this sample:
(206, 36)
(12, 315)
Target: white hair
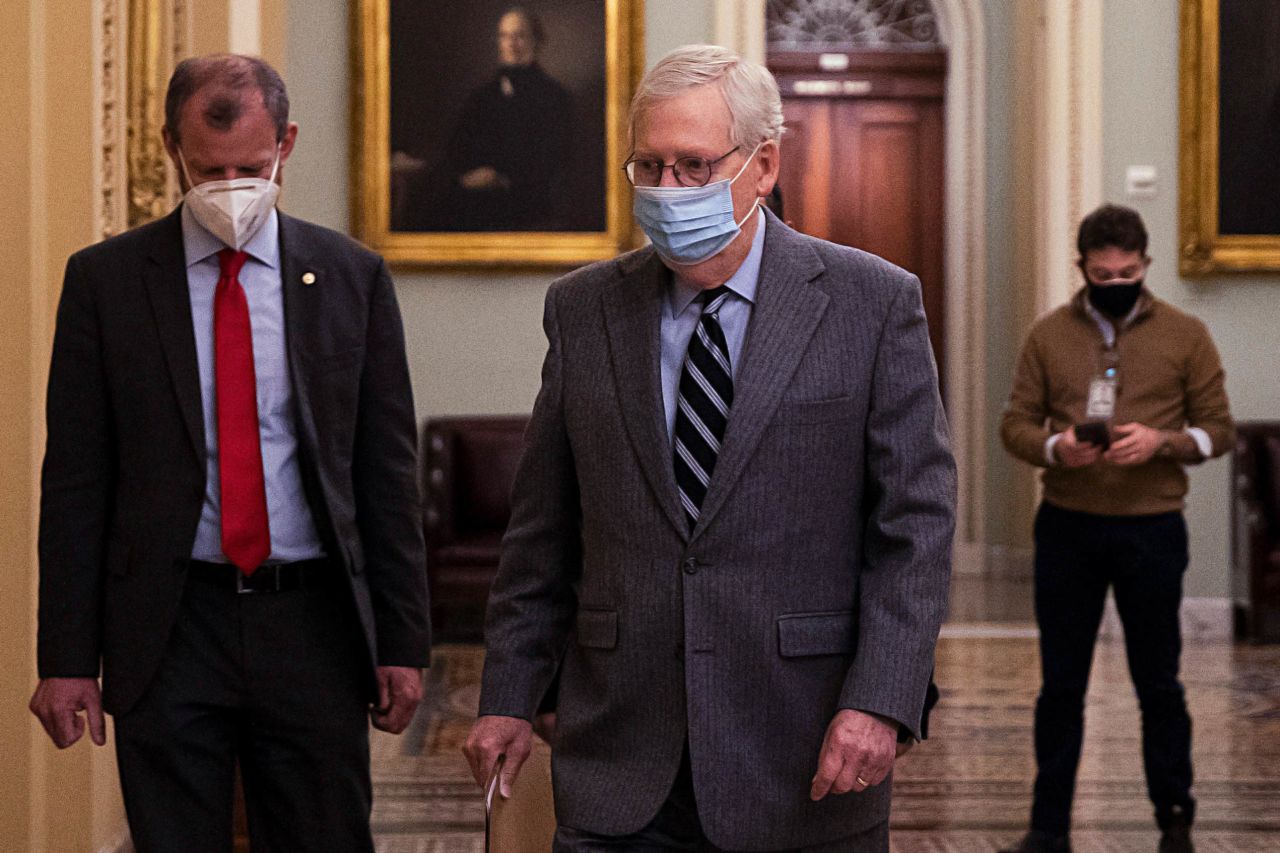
(751, 93)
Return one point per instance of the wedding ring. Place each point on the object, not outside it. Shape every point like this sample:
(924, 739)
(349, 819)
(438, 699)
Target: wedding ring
(863, 782)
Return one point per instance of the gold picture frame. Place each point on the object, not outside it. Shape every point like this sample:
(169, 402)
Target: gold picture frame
(1206, 245)
(621, 65)
(141, 43)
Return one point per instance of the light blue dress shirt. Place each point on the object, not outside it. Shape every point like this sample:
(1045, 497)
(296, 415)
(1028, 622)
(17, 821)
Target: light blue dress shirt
(293, 531)
(681, 313)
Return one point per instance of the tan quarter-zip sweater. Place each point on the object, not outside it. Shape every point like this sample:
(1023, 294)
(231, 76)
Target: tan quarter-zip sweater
(1170, 378)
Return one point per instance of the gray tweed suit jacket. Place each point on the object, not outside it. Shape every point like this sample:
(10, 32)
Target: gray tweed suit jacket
(815, 580)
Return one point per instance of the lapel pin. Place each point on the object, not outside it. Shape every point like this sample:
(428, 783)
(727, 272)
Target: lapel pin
(308, 278)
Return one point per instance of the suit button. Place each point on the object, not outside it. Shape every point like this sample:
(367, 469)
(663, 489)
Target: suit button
(691, 566)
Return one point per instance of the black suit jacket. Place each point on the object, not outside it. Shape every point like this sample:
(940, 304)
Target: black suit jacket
(124, 469)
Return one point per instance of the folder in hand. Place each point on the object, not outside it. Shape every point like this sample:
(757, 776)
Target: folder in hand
(526, 822)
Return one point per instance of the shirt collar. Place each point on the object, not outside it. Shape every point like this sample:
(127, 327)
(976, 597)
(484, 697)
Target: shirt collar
(198, 243)
(743, 281)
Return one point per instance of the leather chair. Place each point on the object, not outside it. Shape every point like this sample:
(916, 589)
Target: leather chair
(1255, 531)
(469, 465)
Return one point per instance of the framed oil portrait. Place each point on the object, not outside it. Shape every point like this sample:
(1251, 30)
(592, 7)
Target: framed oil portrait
(492, 132)
(1229, 169)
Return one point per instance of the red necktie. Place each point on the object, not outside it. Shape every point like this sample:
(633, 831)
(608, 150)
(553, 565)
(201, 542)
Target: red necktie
(246, 538)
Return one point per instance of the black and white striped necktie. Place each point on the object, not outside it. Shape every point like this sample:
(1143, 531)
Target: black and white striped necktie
(702, 407)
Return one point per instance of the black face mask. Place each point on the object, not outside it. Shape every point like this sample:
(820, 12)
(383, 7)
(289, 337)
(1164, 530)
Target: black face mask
(1114, 300)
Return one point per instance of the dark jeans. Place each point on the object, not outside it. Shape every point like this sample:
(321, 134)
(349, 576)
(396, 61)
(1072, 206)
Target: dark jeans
(1078, 556)
(275, 682)
(677, 828)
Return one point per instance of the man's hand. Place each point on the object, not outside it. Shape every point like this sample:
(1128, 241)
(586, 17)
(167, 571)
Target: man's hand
(399, 692)
(491, 737)
(58, 703)
(1075, 454)
(1137, 444)
(857, 753)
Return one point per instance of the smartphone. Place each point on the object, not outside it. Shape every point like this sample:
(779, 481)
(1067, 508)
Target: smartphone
(1095, 432)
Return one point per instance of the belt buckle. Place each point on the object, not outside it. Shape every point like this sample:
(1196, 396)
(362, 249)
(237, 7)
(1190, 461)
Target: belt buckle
(241, 578)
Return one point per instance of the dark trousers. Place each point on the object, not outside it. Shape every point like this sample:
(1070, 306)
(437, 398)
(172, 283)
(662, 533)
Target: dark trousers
(1143, 558)
(677, 828)
(274, 681)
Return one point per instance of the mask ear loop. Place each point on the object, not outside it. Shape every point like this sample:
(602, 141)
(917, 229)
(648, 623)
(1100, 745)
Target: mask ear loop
(275, 167)
(186, 174)
(756, 203)
(747, 215)
(747, 162)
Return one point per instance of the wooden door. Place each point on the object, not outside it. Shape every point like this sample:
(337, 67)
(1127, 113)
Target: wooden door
(862, 160)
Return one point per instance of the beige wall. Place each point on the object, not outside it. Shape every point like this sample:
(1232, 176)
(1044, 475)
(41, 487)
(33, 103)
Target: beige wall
(1007, 260)
(67, 800)
(15, 439)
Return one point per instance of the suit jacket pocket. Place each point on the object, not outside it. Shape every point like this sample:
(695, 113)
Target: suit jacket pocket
(814, 411)
(809, 634)
(597, 629)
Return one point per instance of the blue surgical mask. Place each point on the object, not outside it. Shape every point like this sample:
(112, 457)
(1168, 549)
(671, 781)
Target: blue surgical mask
(689, 225)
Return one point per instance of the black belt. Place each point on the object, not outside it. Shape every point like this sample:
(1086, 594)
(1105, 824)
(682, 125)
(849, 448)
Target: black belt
(283, 577)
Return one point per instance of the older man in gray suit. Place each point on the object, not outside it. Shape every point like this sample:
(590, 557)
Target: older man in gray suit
(731, 528)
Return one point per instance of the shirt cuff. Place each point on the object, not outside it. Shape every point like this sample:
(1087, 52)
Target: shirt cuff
(1203, 443)
(1049, 444)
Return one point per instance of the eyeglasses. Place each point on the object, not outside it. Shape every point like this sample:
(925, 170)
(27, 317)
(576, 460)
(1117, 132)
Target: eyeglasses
(688, 171)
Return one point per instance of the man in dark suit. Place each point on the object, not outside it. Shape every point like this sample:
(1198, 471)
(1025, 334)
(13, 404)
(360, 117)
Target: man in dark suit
(731, 528)
(230, 519)
(507, 160)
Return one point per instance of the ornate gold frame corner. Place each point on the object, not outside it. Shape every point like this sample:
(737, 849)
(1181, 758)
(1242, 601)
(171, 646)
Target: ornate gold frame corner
(138, 44)
(371, 159)
(1202, 250)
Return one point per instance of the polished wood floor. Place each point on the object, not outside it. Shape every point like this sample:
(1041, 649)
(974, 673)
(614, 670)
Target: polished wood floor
(967, 788)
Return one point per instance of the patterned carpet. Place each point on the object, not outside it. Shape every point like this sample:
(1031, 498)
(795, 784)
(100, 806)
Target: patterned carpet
(425, 800)
(967, 789)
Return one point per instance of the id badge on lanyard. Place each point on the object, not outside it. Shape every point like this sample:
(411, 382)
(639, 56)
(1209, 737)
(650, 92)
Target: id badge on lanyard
(1102, 396)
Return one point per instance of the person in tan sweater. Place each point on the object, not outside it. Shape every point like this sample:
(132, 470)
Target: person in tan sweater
(1115, 393)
